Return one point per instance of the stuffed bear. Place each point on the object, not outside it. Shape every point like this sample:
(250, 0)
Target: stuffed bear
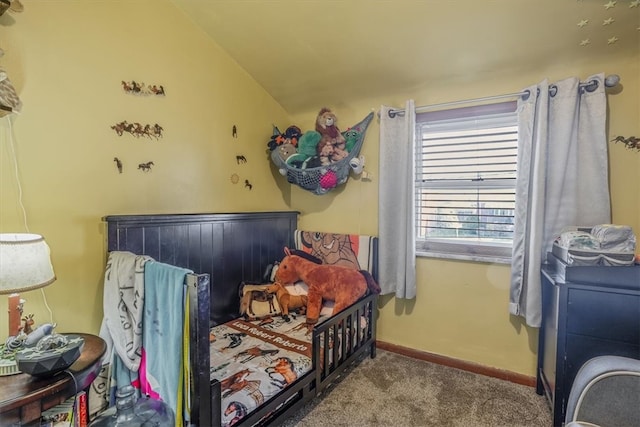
(338, 154)
(342, 285)
(326, 125)
(325, 150)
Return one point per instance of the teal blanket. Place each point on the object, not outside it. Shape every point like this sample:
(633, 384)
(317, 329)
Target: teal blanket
(163, 322)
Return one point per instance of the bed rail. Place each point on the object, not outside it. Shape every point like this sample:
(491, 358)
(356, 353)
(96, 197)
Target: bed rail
(354, 345)
(354, 341)
(198, 318)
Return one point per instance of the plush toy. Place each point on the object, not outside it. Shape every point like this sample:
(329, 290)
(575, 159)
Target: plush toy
(338, 154)
(308, 143)
(275, 139)
(329, 180)
(292, 135)
(351, 137)
(286, 150)
(325, 150)
(287, 301)
(342, 285)
(297, 160)
(326, 125)
(257, 303)
(312, 162)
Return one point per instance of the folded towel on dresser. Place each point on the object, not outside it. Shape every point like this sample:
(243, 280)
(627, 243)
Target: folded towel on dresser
(615, 237)
(578, 240)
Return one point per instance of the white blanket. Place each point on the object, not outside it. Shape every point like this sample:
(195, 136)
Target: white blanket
(123, 307)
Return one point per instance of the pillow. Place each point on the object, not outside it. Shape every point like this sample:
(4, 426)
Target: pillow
(348, 250)
(298, 288)
(256, 303)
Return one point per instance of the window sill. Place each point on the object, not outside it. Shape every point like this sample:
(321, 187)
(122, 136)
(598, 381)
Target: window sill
(464, 257)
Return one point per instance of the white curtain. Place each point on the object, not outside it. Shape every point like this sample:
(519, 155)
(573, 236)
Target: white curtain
(396, 205)
(562, 178)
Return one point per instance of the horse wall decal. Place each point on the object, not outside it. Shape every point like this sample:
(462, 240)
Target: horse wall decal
(118, 164)
(138, 129)
(145, 167)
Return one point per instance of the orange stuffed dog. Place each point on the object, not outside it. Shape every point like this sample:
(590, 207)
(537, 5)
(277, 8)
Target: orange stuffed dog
(342, 285)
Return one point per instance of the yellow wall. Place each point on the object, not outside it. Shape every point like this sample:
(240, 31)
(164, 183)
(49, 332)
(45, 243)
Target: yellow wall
(461, 309)
(67, 59)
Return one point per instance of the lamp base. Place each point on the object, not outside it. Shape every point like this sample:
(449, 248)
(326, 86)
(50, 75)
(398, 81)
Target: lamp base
(15, 313)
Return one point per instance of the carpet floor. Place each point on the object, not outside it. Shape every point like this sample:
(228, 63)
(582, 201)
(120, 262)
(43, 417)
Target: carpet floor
(395, 390)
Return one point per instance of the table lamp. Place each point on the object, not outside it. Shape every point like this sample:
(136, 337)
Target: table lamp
(25, 265)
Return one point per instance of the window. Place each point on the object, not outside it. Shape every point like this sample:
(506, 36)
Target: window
(465, 182)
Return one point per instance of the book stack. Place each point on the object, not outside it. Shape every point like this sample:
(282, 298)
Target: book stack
(73, 412)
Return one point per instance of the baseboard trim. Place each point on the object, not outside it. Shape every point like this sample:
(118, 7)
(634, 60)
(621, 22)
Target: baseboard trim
(459, 364)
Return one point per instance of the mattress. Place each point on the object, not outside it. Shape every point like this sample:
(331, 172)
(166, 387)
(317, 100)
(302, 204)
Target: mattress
(255, 360)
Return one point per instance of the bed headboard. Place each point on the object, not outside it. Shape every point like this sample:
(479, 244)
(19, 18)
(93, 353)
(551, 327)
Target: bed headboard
(230, 247)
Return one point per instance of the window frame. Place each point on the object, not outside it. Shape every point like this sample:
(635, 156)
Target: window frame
(479, 251)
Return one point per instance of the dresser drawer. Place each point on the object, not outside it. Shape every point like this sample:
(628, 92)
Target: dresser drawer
(606, 315)
(581, 348)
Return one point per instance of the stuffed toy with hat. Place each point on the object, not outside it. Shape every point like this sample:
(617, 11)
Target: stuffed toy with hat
(289, 136)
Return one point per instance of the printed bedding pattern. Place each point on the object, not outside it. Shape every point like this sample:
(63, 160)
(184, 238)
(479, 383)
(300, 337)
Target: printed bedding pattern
(255, 360)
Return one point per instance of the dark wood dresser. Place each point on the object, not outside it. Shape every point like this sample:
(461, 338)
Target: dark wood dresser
(598, 314)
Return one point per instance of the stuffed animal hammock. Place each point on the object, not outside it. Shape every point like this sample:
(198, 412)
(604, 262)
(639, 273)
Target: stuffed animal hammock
(299, 163)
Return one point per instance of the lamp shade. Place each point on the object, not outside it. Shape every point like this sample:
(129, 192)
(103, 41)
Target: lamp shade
(25, 263)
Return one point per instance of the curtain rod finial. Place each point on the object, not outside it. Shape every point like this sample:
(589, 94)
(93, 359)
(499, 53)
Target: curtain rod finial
(612, 80)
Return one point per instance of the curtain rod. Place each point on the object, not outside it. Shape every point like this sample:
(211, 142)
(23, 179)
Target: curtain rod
(590, 86)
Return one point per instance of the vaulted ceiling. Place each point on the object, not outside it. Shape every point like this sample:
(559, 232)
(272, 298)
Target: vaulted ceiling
(310, 52)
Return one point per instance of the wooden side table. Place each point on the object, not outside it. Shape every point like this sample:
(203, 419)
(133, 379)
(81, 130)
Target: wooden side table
(23, 398)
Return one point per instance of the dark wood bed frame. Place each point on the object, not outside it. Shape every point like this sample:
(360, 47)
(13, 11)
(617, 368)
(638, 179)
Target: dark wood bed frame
(225, 249)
